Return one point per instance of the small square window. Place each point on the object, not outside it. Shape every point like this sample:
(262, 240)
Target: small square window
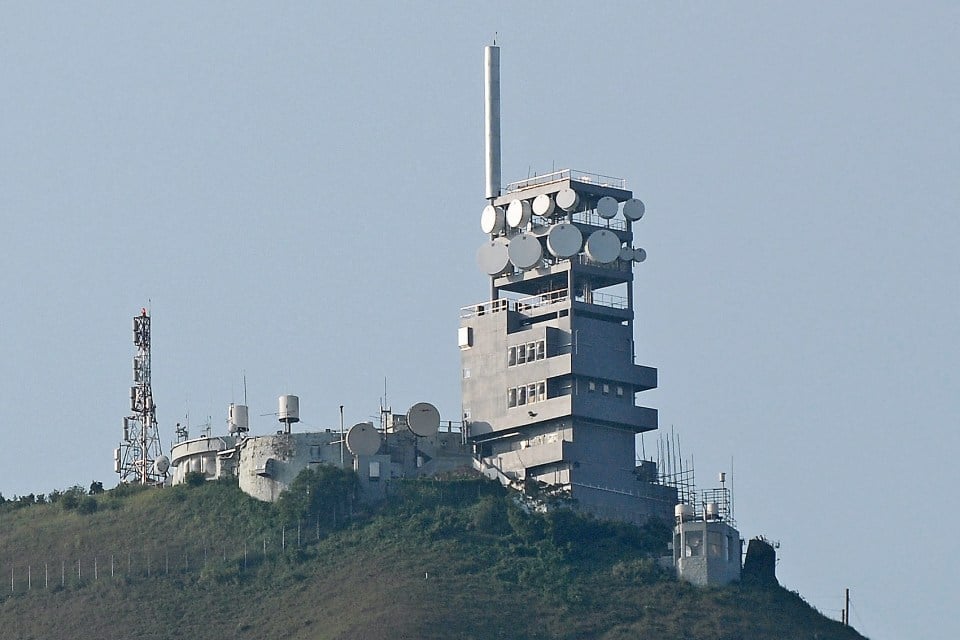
(619, 391)
(466, 373)
(591, 386)
(606, 389)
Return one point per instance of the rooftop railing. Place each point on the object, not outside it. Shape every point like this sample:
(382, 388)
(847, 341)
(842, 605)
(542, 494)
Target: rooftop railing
(568, 174)
(528, 303)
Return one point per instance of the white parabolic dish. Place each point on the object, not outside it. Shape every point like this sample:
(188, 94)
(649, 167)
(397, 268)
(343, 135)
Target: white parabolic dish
(525, 251)
(543, 205)
(607, 207)
(518, 214)
(633, 209)
(493, 256)
(603, 246)
(564, 240)
(363, 439)
(567, 199)
(423, 419)
(491, 220)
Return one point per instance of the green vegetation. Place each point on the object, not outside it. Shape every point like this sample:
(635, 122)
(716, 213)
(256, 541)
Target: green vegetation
(439, 559)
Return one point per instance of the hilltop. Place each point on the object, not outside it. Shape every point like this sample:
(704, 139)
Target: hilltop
(454, 558)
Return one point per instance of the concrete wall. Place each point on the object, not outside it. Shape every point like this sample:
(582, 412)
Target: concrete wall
(202, 455)
(707, 553)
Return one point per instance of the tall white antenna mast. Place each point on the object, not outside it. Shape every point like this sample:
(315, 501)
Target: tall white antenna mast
(491, 112)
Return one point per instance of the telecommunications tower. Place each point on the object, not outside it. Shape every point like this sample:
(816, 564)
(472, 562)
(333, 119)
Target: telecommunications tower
(140, 459)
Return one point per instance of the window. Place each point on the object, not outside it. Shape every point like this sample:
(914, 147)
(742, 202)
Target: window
(619, 391)
(314, 452)
(466, 373)
(591, 386)
(527, 394)
(606, 389)
(512, 357)
(521, 354)
(541, 350)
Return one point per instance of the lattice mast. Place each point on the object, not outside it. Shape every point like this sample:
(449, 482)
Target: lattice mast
(140, 459)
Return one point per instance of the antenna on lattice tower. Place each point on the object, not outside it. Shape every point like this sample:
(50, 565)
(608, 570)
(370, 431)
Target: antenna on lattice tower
(139, 459)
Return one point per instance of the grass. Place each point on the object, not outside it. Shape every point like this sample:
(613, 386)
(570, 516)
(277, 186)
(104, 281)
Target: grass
(439, 559)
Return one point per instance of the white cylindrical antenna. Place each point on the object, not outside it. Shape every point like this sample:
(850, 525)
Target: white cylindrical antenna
(491, 121)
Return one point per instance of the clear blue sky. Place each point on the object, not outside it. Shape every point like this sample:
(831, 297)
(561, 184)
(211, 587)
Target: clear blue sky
(297, 191)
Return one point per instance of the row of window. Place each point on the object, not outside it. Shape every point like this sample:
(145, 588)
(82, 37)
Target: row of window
(527, 394)
(604, 388)
(524, 353)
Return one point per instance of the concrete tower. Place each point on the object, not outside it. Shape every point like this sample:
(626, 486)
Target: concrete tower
(549, 377)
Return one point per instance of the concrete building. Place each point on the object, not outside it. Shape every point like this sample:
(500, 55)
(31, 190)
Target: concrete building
(707, 548)
(265, 465)
(549, 375)
(549, 372)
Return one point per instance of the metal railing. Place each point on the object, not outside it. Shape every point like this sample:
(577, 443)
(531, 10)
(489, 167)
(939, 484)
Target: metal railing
(568, 174)
(591, 217)
(603, 300)
(529, 303)
(616, 265)
(514, 304)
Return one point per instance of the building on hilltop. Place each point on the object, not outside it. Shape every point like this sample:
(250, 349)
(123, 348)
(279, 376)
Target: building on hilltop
(414, 444)
(707, 548)
(549, 372)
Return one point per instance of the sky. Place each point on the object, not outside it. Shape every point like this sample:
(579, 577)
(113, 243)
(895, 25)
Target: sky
(294, 190)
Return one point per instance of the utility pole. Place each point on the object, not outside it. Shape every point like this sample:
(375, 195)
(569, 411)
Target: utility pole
(846, 607)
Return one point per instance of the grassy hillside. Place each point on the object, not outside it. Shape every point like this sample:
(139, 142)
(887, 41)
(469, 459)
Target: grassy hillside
(441, 559)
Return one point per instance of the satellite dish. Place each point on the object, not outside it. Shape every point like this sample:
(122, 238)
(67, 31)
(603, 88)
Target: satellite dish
(603, 246)
(363, 439)
(626, 253)
(564, 240)
(607, 207)
(491, 220)
(518, 214)
(525, 251)
(161, 465)
(423, 419)
(639, 255)
(543, 205)
(493, 256)
(633, 209)
(567, 199)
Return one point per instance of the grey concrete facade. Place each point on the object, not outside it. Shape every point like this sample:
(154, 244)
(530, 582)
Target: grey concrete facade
(707, 552)
(265, 465)
(548, 374)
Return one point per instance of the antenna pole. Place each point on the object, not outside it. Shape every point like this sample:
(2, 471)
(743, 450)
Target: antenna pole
(341, 436)
(491, 120)
(846, 607)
